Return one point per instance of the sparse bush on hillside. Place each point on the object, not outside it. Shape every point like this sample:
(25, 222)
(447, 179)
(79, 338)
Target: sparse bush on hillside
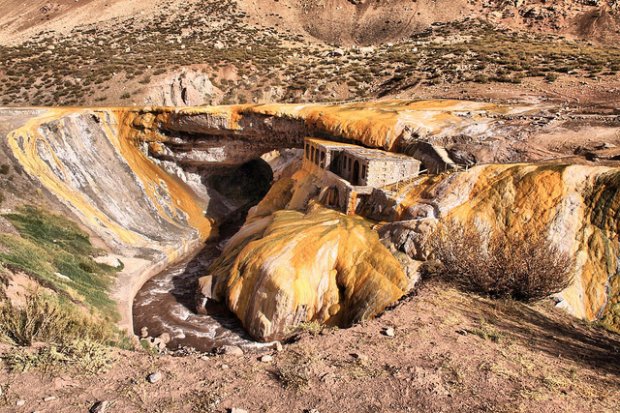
(44, 318)
(85, 356)
(551, 77)
(525, 267)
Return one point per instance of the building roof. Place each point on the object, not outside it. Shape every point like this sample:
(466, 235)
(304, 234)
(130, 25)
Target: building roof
(377, 155)
(360, 152)
(331, 144)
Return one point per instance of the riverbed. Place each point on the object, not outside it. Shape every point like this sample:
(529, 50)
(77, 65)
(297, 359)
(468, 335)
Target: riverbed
(166, 304)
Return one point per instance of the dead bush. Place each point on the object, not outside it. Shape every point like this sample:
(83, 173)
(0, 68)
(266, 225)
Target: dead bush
(526, 267)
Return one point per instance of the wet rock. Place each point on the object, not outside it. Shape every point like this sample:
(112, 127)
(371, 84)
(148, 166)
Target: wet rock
(230, 351)
(99, 407)
(164, 339)
(154, 377)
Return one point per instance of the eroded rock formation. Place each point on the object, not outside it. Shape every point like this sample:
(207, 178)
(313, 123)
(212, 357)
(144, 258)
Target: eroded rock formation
(293, 267)
(576, 206)
(136, 178)
(186, 88)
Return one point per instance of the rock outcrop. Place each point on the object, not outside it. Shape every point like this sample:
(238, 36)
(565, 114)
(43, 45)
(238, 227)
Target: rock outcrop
(133, 177)
(86, 160)
(186, 88)
(575, 206)
(293, 267)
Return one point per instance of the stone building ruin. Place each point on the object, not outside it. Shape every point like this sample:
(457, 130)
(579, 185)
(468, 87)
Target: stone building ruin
(358, 165)
(351, 173)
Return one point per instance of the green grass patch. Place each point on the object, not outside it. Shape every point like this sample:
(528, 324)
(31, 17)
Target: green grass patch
(57, 253)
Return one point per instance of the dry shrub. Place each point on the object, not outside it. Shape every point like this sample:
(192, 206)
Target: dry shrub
(526, 267)
(44, 318)
(87, 357)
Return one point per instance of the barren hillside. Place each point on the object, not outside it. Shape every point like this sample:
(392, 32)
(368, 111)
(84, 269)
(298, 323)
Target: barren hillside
(209, 52)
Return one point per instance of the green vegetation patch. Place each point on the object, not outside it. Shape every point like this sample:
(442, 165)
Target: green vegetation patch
(51, 319)
(57, 253)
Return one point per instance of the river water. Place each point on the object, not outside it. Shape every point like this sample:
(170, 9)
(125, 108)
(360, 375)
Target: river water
(165, 304)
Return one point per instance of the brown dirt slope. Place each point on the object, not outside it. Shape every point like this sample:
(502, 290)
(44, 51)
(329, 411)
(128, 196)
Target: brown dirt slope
(351, 22)
(451, 352)
(341, 22)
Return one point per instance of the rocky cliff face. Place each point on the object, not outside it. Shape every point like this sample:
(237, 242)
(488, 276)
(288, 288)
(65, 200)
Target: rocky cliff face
(139, 179)
(84, 159)
(186, 88)
(88, 163)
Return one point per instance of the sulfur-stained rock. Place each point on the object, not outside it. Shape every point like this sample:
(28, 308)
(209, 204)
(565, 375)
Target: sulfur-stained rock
(290, 267)
(575, 206)
(120, 171)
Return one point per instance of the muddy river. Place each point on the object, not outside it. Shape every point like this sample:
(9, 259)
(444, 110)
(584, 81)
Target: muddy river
(165, 304)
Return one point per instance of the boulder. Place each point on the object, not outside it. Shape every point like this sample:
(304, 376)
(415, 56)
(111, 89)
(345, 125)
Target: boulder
(574, 206)
(292, 267)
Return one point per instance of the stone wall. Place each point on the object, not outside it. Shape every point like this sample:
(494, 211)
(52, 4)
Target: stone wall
(382, 173)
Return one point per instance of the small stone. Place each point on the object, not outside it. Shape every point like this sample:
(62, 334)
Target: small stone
(49, 399)
(164, 338)
(359, 356)
(312, 411)
(267, 358)
(20, 403)
(237, 410)
(99, 407)
(231, 350)
(606, 145)
(277, 346)
(144, 332)
(389, 331)
(154, 377)
(225, 366)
